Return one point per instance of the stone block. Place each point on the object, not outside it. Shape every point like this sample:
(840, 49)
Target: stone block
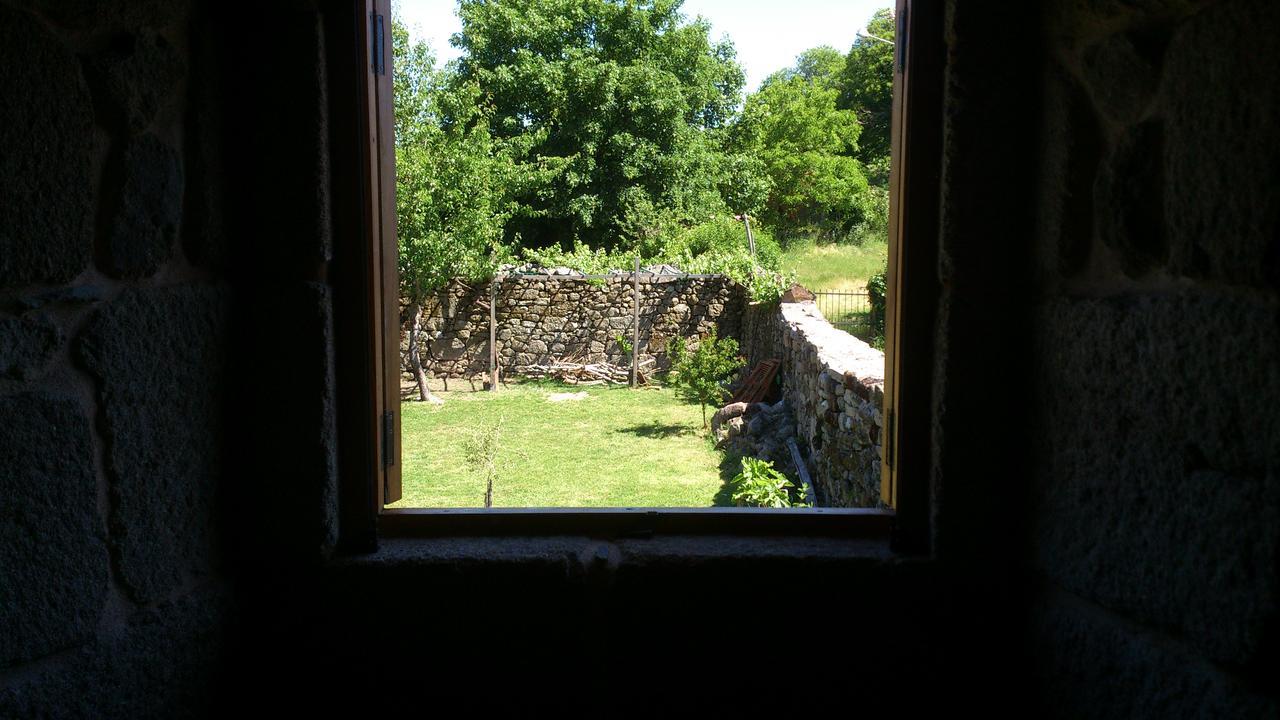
(52, 556)
(1089, 664)
(1156, 490)
(46, 166)
(1222, 147)
(158, 356)
(1123, 72)
(145, 223)
(164, 663)
(102, 14)
(133, 79)
(26, 345)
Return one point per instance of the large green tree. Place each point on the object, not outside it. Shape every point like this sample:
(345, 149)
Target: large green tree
(612, 109)
(823, 65)
(867, 89)
(807, 146)
(450, 180)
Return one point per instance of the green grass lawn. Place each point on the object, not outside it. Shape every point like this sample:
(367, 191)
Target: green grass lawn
(838, 268)
(616, 448)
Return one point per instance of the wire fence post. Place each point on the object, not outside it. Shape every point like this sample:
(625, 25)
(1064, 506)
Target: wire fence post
(493, 334)
(635, 323)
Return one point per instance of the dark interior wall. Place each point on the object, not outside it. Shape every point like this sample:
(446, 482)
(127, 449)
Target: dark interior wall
(1105, 453)
(114, 338)
(164, 246)
(1156, 464)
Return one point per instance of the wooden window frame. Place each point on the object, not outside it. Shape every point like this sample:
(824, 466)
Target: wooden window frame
(368, 311)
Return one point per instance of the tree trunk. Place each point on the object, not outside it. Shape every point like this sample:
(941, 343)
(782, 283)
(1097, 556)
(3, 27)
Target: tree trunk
(415, 357)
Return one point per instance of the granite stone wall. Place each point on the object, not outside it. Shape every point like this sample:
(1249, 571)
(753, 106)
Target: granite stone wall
(834, 384)
(131, 352)
(1103, 461)
(542, 318)
(1155, 481)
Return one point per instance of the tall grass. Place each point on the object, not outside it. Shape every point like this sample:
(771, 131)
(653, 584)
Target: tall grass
(837, 268)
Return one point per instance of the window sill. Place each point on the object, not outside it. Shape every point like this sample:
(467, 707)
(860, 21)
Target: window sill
(591, 554)
(625, 523)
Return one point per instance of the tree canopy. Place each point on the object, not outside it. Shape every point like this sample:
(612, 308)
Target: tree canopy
(807, 146)
(867, 87)
(610, 109)
(590, 131)
(450, 174)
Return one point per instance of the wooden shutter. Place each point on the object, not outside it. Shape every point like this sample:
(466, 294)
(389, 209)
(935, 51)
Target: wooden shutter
(384, 305)
(911, 303)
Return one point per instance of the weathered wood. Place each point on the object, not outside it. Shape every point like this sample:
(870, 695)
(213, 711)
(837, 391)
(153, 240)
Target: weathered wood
(493, 335)
(635, 324)
(573, 373)
(805, 482)
(758, 382)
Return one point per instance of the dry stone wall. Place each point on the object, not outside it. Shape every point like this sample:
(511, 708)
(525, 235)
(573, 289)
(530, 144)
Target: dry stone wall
(540, 319)
(834, 383)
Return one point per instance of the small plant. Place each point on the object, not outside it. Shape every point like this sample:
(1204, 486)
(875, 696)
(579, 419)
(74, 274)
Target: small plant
(700, 375)
(877, 290)
(761, 485)
(481, 452)
(624, 345)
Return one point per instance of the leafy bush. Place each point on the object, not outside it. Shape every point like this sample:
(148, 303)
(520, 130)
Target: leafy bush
(760, 485)
(727, 236)
(873, 222)
(581, 258)
(718, 246)
(877, 289)
(481, 452)
(700, 375)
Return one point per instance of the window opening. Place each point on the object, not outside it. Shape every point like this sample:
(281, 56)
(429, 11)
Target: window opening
(476, 132)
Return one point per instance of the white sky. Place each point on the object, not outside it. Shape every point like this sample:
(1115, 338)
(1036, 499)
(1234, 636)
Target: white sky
(767, 33)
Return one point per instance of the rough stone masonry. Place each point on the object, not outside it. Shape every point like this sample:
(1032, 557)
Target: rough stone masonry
(833, 387)
(541, 318)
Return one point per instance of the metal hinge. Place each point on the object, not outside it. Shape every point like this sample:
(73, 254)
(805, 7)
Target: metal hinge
(379, 49)
(889, 436)
(388, 439)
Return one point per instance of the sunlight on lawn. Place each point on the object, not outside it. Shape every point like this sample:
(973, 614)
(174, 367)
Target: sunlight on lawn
(616, 447)
(836, 268)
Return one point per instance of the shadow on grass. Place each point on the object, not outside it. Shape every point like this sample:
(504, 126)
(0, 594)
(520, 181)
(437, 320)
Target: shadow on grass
(657, 430)
(730, 466)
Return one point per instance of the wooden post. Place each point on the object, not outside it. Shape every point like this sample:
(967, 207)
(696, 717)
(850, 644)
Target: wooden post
(493, 334)
(805, 483)
(635, 323)
(751, 239)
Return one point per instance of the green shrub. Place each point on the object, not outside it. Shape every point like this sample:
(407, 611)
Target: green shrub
(581, 258)
(877, 289)
(760, 485)
(727, 236)
(873, 222)
(700, 375)
(718, 246)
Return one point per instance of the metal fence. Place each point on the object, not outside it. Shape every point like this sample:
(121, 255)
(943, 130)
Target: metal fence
(849, 311)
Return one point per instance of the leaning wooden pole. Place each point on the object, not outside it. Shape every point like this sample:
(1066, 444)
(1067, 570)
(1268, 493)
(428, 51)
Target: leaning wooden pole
(493, 334)
(635, 323)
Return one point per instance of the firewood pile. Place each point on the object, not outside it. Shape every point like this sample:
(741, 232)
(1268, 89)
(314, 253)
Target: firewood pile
(578, 373)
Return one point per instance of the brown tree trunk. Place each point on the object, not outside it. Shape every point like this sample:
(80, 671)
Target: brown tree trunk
(415, 357)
